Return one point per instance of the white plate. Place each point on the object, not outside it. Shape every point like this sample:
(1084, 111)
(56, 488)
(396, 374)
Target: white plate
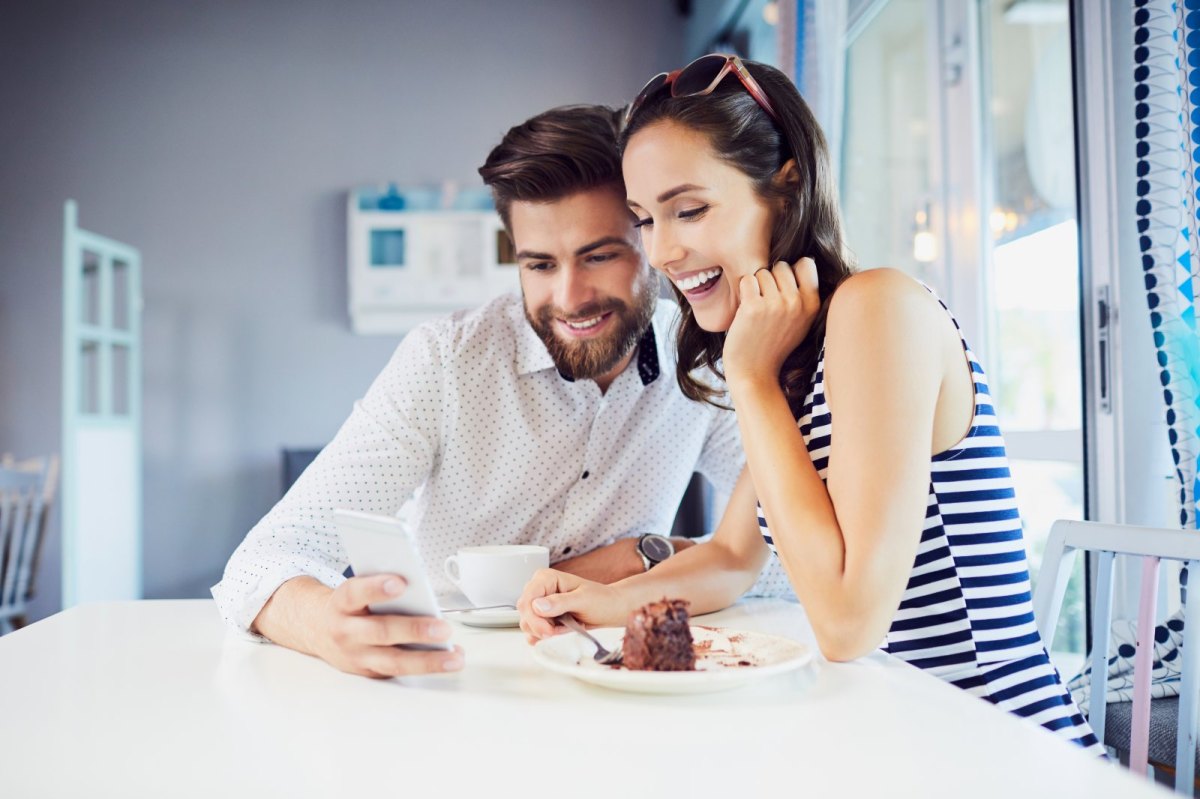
(725, 659)
(494, 617)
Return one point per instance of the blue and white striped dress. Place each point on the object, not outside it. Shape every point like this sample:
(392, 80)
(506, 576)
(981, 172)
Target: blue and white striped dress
(967, 613)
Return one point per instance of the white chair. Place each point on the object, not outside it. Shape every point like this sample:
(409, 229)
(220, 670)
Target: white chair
(26, 491)
(1153, 545)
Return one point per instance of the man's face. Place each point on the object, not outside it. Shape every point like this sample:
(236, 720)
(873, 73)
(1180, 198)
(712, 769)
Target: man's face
(589, 293)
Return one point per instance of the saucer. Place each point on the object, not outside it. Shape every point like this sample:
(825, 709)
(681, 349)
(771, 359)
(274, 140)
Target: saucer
(493, 617)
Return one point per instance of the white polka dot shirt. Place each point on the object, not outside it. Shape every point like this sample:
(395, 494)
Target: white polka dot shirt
(472, 436)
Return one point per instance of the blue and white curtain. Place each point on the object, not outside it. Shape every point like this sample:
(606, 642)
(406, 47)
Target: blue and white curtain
(1167, 111)
(1166, 61)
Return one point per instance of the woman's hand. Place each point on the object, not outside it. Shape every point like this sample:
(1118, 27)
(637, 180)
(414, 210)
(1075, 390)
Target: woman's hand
(550, 593)
(775, 311)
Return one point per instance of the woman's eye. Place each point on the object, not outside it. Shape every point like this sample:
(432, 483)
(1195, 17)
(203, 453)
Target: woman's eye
(643, 222)
(693, 213)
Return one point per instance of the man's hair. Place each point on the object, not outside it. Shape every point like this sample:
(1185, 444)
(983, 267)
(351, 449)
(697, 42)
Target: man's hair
(553, 155)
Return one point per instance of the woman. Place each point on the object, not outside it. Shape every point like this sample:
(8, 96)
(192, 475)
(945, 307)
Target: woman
(875, 470)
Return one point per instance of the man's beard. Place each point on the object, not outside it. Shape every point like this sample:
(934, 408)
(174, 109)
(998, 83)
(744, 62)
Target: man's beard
(587, 359)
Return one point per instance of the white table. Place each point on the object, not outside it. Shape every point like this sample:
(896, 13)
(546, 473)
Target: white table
(155, 699)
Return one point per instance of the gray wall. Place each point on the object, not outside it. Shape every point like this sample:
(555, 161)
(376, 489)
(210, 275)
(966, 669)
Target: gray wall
(219, 138)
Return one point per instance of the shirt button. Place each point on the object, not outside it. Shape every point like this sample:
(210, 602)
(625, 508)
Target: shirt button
(585, 475)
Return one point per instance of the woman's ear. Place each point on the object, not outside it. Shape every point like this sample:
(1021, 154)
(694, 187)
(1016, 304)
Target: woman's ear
(788, 176)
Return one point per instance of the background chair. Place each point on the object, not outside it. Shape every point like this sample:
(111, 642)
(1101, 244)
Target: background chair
(1176, 716)
(26, 492)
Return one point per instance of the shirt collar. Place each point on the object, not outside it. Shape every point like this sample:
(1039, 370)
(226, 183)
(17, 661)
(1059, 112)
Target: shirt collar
(533, 357)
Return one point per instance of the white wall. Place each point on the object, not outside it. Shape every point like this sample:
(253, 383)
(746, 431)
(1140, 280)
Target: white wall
(219, 137)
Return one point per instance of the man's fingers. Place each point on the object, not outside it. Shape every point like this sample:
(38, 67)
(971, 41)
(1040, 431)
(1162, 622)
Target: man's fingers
(390, 629)
(353, 596)
(389, 661)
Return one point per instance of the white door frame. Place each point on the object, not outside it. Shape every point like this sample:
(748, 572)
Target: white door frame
(101, 444)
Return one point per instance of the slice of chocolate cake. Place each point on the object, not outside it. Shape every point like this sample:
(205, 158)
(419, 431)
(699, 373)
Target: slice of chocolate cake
(657, 638)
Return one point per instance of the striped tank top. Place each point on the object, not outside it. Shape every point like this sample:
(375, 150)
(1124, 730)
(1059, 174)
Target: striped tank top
(967, 613)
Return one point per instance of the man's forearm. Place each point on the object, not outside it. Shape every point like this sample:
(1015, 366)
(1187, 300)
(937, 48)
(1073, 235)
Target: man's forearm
(614, 562)
(288, 618)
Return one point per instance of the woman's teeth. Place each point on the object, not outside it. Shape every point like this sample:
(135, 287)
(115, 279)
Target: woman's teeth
(584, 324)
(698, 279)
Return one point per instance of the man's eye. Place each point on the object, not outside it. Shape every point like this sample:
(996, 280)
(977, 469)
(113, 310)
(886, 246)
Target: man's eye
(538, 266)
(601, 257)
(693, 213)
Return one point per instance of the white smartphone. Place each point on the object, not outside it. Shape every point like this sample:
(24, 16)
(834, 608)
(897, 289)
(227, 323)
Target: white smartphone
(382, 545)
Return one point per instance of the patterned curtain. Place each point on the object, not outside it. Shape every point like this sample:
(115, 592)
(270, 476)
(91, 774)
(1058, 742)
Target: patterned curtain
(1166, 58)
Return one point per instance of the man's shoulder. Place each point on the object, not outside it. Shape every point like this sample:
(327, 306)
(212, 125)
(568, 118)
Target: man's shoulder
(492, 325)
(667, 318)
(666, 327)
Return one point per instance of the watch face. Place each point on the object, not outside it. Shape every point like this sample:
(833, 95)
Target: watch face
(656, 548)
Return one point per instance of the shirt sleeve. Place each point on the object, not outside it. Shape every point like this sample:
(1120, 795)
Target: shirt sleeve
(722, 459)
(721, 462)
(383, 452)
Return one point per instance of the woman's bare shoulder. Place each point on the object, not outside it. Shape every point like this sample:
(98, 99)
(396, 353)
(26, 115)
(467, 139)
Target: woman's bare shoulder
(880, 297)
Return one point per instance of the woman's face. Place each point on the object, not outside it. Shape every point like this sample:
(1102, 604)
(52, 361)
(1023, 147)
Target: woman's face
(702, 223)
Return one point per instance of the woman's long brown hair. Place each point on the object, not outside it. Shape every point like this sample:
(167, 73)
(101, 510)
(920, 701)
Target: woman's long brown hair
(741, 133)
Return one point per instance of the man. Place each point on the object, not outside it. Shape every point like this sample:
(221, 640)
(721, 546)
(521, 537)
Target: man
(553, 421)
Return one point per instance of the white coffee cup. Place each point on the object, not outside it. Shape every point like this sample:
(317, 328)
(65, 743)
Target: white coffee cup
(495, 575)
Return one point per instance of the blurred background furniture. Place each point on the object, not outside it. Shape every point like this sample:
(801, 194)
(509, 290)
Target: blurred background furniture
(26, 493)
(1130, 727)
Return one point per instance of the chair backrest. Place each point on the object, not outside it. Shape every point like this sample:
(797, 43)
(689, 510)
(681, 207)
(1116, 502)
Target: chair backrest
(1153, 545)
(26, 490)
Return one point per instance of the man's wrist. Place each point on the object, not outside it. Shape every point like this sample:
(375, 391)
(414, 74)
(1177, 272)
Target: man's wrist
(290, 617)
(654, 549)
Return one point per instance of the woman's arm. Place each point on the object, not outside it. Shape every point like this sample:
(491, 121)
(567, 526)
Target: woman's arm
(711, 576)
(849, 547)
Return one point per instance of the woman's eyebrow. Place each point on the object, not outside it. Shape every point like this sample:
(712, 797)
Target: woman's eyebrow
(680, 189)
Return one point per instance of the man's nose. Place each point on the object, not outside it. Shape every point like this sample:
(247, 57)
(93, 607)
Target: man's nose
(573, 290)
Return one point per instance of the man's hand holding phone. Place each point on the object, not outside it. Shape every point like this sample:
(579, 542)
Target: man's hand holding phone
(383, 622)
(337, 626)
(359, 642)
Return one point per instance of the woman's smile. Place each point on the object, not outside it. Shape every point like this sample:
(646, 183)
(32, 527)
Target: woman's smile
(698, 285)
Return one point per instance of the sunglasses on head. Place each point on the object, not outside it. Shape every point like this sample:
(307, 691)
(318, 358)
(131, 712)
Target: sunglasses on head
(701, 77)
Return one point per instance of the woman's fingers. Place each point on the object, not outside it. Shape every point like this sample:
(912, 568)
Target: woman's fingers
(806, 279)
(766, 282)
(785, 277)
(544, 583)
(749, 287)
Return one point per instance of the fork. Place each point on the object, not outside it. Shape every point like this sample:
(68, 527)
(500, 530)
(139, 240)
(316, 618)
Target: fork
(602, 656)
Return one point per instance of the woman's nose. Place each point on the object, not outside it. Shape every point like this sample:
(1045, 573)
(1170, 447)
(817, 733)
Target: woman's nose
(661, 248)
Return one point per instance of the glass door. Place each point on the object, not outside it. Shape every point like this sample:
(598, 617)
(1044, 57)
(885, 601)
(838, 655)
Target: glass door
(1031, 267)
(958, 167)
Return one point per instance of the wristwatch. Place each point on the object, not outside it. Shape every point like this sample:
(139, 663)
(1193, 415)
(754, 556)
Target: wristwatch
(654, 549)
